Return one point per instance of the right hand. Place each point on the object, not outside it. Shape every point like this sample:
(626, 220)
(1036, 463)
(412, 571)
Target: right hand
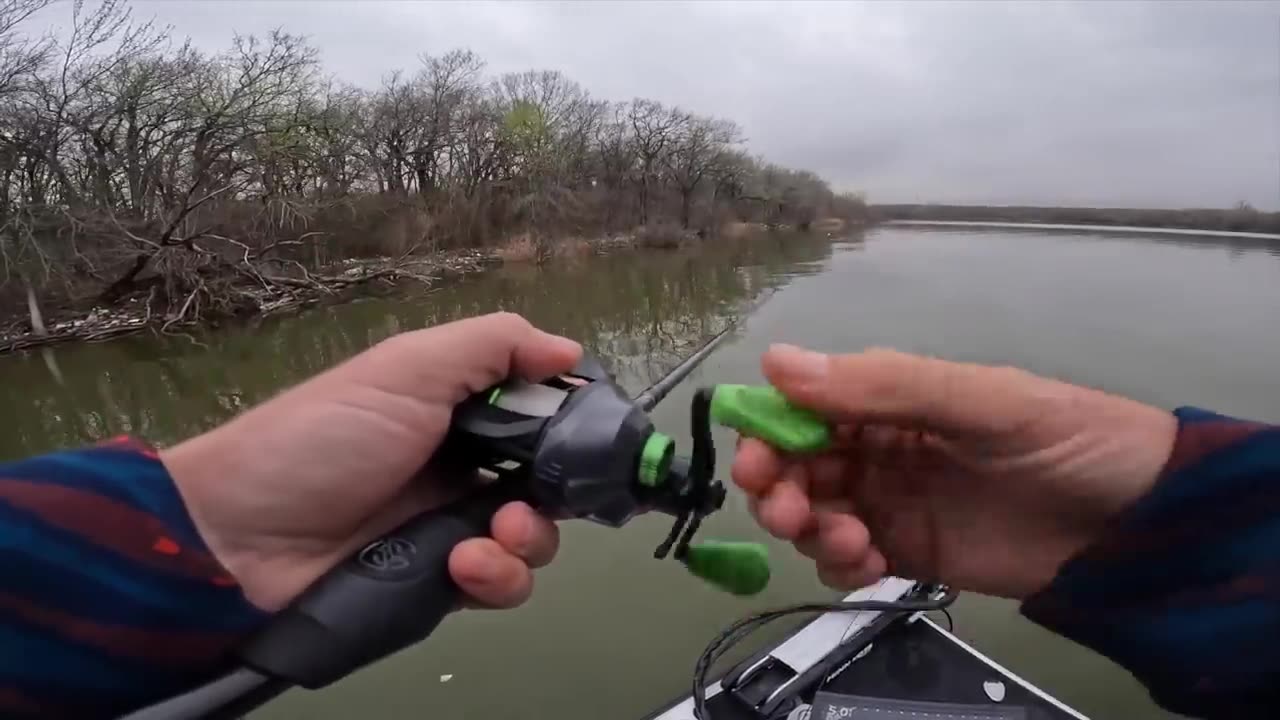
(984, 478)
(287, 490)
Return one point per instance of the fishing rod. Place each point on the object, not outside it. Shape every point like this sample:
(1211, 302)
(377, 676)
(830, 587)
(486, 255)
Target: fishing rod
(573, 446)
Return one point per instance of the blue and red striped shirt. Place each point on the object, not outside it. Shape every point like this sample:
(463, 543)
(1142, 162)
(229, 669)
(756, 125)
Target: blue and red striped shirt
(109, 600)
(1184, 588)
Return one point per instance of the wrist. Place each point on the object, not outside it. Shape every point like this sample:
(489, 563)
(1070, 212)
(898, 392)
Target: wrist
(1143, 440)
(202, 471)
(1104, 472)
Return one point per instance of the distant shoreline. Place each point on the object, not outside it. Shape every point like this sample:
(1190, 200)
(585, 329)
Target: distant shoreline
(1243, 218)
(1095, 228)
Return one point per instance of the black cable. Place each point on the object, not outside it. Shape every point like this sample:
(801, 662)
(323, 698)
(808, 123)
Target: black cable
(951, 624)
(736, 632)
(843, 636)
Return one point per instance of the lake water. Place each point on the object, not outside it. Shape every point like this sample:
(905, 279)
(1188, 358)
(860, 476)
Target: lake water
(1170, 320)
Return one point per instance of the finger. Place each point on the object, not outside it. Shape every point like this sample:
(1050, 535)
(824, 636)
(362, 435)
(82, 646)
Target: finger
(842, 538)
(846, 435)
(524, 533)
(449, 362)
(756, 467)
(879, 443)
(897, 388)
(828, 476)
(489, 574)
(808, 543)
(834, 538)
(844, 576)
(784, 511)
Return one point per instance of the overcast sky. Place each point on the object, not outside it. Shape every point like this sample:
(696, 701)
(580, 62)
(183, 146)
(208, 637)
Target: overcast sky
(1166, 104)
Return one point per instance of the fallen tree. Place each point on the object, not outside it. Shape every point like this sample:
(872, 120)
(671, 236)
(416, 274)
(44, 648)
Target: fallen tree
(212, 292)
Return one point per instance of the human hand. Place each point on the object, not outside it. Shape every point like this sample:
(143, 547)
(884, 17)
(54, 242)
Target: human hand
(985, 478)
(287, 490)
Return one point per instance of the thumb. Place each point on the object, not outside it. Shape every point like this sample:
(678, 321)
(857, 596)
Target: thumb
(448, 362)
(883, 386)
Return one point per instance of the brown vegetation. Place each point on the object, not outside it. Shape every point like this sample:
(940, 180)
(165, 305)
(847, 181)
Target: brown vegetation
(134, 169)
(520, 248)
(829, 225)
(663, 236)
(1241, 218)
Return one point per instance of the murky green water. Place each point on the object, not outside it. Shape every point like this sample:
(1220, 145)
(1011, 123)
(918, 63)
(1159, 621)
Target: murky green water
(611, 633)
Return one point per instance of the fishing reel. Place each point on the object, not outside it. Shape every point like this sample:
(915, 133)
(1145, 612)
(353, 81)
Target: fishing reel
(573, 446)
(583, 449)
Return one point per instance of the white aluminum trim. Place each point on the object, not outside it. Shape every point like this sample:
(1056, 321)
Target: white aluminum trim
(895, 587)
(819, 638)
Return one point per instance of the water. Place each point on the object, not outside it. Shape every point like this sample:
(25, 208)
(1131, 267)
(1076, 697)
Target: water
(611, 633)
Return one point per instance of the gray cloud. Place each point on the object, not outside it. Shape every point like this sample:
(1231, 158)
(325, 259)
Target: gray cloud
(1154, 104)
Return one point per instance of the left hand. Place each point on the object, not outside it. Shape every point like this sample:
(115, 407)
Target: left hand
(984, 478)
(290, 488)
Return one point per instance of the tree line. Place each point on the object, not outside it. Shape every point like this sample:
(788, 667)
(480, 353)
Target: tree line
(1241, 218)
(131, 162)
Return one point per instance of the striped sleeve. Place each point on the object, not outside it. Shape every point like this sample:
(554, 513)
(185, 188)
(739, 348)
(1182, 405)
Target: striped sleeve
(109, 599)
(1184, 589)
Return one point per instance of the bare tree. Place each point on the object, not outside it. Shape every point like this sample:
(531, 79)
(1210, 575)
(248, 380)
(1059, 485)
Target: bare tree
(699, 142)
(20, 55)
(133, 165)
(652, 127)
(615, 158)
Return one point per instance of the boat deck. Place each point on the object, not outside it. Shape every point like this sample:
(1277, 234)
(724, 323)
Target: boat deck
(912, 670)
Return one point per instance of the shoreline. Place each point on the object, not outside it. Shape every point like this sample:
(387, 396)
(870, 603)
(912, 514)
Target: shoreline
(355, 278)
(100, 323)
(351, 280)
(1134, 229)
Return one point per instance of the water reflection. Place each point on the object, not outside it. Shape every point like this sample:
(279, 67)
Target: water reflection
(639, 311)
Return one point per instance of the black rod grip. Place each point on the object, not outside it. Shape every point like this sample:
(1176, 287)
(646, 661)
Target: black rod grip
(388, 596)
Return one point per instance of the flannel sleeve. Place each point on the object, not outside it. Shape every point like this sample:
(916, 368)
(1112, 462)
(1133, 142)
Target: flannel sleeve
(109, 599)
(1184, 589)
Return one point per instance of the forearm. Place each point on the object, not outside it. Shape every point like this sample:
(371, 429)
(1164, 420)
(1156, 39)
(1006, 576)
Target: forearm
(1184, 588)
(109, 599)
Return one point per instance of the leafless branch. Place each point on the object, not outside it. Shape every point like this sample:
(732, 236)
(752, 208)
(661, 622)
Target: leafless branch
(134, 169)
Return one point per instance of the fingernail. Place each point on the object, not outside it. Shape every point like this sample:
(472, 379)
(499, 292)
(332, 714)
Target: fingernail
(527, 532)
(804, 366)
(562, 343)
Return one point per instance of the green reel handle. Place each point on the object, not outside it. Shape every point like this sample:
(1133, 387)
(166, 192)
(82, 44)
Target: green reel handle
(739, 568)
(761, 412)
(758, 411)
